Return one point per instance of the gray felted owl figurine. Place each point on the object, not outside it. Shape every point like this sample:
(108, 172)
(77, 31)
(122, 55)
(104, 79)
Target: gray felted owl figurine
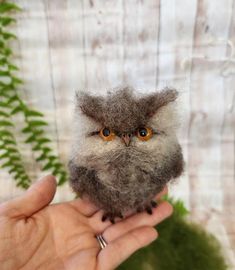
(125, 149)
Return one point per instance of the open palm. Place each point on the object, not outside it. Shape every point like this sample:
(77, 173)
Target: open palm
(36, 235)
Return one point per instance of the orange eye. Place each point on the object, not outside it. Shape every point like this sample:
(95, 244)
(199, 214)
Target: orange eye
(144, 133)
(106, 134)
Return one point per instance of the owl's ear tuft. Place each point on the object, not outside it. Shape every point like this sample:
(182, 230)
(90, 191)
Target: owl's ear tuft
(152, 103)
(91, 106)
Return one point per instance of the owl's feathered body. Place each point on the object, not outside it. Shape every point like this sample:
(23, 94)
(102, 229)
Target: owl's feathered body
(124, 173)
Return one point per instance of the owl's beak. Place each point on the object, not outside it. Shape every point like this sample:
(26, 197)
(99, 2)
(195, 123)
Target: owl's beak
(126, 137)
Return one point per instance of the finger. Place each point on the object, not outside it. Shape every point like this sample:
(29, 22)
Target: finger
(84, 206)
(36, 197)
(118, 251)
(160, 213)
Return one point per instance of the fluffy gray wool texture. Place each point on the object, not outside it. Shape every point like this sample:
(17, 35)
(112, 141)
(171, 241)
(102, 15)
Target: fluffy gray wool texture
(118, 178)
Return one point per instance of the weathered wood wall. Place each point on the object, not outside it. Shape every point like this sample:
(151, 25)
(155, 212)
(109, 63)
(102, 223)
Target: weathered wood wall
(66, 45)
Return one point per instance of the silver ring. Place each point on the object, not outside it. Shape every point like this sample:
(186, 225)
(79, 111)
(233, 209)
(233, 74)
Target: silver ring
(101, 241)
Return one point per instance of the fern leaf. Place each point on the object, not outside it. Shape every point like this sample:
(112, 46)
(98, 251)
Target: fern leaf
(2, 113)
(33, 113)
(37, 123)
(48, 166)
(16, 110)
(30, 139)
(6, 123)
(4, 104)
(42, 157)
(7, 142)
(7, 35)
(5, 133)
(4, 21)
(6, 7)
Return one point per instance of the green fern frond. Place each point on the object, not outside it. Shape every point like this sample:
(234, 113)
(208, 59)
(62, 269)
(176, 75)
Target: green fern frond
(12, 104)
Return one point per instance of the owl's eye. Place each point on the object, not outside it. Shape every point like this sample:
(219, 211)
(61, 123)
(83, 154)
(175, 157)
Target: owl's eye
(106, 134)
(144, 133)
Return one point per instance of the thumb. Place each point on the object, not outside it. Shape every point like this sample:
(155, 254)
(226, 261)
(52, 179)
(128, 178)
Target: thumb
(36, 197)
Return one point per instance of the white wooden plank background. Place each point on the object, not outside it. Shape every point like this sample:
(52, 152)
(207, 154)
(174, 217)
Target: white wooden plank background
(95, 45)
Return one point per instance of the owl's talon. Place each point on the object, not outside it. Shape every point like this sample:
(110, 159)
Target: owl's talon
(153, 204)
(149, 210)
(139, 209)
(104, 217)
(120, 215)
(111, 217)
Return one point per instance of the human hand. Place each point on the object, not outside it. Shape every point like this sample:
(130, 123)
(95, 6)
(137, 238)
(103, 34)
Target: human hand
(36, 235)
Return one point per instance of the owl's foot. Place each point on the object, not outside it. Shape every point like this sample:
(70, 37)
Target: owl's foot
(147, 207)
(153, 204)
(111, 216)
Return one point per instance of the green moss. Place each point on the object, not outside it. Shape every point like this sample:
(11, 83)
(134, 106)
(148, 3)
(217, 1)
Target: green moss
(180, 246)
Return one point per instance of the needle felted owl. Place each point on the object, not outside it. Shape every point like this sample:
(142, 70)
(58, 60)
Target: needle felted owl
(125, 149)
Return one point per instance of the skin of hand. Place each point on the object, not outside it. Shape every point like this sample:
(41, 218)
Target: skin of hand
(37, 235)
